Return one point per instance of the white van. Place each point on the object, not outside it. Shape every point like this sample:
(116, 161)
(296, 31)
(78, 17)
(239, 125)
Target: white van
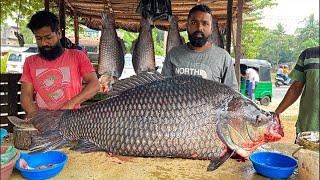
(16, 61)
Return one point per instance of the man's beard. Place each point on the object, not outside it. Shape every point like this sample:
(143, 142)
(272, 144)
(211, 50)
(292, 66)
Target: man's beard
(197, 41)
(50, 53)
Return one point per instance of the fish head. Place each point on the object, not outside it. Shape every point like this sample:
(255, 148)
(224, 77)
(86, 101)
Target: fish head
(244, 126)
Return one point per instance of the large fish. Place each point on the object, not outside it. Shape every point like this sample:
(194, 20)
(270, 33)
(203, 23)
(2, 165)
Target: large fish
(111, 53)
(174, 39)
(143, 58)
(149, 116)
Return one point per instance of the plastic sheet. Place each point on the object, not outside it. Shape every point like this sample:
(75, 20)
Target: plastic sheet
(8, 155)
(155, 9)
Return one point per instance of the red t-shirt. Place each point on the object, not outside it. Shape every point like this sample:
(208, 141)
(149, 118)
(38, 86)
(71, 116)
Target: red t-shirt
(56, 82)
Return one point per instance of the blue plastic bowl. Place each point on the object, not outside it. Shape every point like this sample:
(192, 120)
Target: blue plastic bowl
(3, 133)
(38, 159)
(272, 164)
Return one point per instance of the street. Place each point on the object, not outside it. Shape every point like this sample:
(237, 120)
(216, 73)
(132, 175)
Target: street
(279, 92)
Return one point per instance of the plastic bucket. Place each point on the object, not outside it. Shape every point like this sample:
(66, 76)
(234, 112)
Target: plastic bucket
(6, 169)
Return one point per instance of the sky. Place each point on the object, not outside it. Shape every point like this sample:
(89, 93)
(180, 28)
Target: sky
(290, 13)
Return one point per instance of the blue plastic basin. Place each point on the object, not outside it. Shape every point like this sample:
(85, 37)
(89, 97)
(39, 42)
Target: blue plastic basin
(272, 164)
(38, 159)
(3, 133)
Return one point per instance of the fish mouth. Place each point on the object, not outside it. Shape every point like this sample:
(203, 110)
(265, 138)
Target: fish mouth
(248, 138)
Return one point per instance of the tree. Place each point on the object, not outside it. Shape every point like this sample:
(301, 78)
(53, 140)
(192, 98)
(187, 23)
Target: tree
(129, 37)
(252, 39)
(307, 36)
(253, 33)
(277, 47)
(19, 10)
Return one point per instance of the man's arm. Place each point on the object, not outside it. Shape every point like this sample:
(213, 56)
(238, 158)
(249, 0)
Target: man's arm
(26, 99)
(291, 96)
(91, 88)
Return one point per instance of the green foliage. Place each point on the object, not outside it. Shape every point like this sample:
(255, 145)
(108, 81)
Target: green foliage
(252, 39)
(275, 45)
(254, 34)
(307, 36)
(258, 5)
(20, 13)
(129, 37)
(158, 46)
(3, 63)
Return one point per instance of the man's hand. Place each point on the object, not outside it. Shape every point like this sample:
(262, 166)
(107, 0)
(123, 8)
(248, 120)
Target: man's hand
(276, 117)
(30, 115)
(68, 105)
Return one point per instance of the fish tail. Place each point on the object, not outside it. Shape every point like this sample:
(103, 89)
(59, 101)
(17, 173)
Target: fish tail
(48, 141)
(50, 137)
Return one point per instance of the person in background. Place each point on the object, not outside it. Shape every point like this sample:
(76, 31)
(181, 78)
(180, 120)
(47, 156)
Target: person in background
(199, 56)
(52, 79)
(286, 73)
(306, 81)
(252, 80)
(280, 72)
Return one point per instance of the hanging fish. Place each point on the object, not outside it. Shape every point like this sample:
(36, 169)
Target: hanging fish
(216, 37)
(174, 39)
(111, 53)
(143, 57)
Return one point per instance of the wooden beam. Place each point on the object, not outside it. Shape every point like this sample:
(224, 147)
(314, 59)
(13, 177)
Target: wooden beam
(76, 27)
(62, 18)
(46, 5)
(229, 23)
(238, 39)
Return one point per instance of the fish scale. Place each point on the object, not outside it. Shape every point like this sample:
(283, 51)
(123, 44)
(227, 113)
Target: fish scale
(174, 39)
(111, 53)
(143, 56)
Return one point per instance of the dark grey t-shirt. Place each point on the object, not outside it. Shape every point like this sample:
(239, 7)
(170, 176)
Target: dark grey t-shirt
(214, 64)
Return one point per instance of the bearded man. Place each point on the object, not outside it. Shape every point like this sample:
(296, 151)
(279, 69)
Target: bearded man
(52, 79)
(199, 56)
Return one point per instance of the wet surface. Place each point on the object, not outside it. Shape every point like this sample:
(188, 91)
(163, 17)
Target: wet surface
(100, 165)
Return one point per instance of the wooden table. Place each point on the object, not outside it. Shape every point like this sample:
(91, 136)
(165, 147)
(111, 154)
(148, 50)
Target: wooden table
(100, 165)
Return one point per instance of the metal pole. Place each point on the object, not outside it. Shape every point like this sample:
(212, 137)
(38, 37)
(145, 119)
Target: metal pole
(229, 22)
(238, 39)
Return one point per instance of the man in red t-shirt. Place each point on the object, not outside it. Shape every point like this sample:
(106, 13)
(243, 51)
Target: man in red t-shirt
(53, 78)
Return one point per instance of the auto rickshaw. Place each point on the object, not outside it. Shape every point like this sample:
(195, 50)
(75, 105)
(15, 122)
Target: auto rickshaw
(263, 90)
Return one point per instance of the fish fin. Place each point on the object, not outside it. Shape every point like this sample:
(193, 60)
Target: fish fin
(134, 81)
(49, 137)
(45, 120)
(215, 163)
(224, 134)
(48, 141)
(20, 123)
(86, 146)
